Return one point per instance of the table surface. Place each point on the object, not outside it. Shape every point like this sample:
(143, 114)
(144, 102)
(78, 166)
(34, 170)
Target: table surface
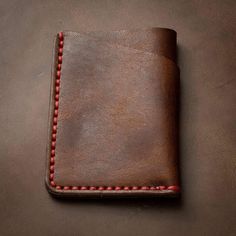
(206, 56)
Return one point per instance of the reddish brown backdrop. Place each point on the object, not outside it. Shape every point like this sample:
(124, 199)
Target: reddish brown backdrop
(206, 38)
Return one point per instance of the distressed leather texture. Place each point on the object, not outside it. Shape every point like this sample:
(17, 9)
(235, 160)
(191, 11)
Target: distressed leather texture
(117, 119)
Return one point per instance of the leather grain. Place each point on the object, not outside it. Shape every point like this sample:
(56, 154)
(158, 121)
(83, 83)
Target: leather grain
(117, 118)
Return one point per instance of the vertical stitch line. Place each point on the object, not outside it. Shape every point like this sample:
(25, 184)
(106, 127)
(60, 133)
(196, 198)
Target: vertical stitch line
(55, 110)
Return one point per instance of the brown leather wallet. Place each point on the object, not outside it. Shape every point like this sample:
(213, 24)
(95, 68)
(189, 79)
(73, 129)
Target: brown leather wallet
(113, 114)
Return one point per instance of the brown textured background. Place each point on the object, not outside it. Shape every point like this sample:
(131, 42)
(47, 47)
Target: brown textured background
(206, 35)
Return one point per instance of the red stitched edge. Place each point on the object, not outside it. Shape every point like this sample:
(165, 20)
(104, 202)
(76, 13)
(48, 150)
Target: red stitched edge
(53, 142)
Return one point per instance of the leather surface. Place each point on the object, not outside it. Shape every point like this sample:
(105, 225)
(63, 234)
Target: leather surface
(116, 124)
(206, 56)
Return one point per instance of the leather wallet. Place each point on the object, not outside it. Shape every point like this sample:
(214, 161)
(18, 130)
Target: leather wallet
(113, 120)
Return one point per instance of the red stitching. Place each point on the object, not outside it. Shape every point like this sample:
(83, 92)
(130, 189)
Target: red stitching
(53, 143)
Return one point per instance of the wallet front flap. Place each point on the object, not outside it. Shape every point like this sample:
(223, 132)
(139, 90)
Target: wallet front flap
(113, 117)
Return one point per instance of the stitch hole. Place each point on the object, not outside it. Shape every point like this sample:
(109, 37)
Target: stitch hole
(53, 145)
(174, 188)
(61, 44)
(51, 176)
(109, 188)
(54, 129)
(60, 59)
(57, 89)
(52, 161)
(117, 188)
(52, 169)
(60, 51)
(126, 188)
(52, 153)
(57, 82)
(135, 188)
(84, 188)
(58, 74)
(56, 112)
(56, 104)
(57, 97)
(75, 188)
(101, 188)
(58, 67)
(162, 187)
(60, 35)
(66, 188)
(144, 188)
(55, 120)
(92, 188)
